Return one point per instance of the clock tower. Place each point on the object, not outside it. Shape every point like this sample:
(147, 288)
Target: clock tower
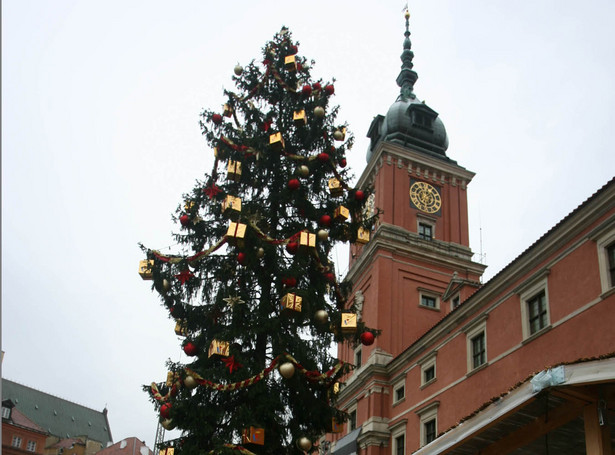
(417, 266)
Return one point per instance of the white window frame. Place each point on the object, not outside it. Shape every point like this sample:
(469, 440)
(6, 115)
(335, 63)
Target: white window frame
(472, 331)
(603, 261)
(16, 442)
(426, 363)
(352, 409)
(525, 296)
(6, 412)
(31, 447)
(455, 297)
(399, 385)
(358, 354)
(427, 414)
(399, 430)
(431, 294)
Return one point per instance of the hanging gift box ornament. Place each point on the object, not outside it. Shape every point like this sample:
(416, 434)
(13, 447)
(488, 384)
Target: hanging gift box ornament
(146, 269)
(231, 204)
(341, 213)
(290, 63)
(171, 378)
(233, 171)
(276, 142)
(362, 235)
(336, 427)
(307, 240)
(227, 110)
(339, 135)
(236, 232)
(180, 328)
(335, 187)
(291, 302)
(218, 347)
(299, 118)
(253, 435)
(349, 323)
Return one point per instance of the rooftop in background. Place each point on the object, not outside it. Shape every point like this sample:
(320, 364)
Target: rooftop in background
(132, 446)
(59, 417)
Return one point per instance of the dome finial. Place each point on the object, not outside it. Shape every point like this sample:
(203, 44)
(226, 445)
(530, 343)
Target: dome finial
(407, 77)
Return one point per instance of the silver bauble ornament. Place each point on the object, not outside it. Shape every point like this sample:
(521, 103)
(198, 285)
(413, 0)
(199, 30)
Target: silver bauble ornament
(167, 424)
(304, 443)
(238, 70)
(338, 135)
(319, 112)
(303, 170)
(287, 370)
(323, 234)
(321, 316)
(190, 382)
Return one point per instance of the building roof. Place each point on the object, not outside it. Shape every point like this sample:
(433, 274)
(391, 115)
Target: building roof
(128, 446)
(19, 419)
(57, 416)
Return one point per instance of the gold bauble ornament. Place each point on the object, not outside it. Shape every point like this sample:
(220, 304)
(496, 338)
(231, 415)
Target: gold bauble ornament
(303, 170)
(304, 443)
(323, 234)
(260, 252)
(338, 135)
(166, 285)
(167, 424)
(319, 112)
(238, 70)
(321, 316)
(287, 370)
(190, 382)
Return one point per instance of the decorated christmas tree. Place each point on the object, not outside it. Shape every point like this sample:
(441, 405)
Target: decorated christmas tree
(254, 295)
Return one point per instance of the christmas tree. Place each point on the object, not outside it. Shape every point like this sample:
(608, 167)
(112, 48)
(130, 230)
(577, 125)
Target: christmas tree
(255, 295)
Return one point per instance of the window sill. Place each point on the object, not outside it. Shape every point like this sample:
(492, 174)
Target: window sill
(533, 336)
(477, 369)
(429, 308)
(607, 293)
(399, 401)
(428, 383)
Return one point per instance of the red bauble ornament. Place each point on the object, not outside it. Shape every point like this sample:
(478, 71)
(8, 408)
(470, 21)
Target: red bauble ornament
(216, 118)
(359, 195)
(190, 349)
(165, 410)
(292, 247)
(323, 157)
(330, 276)
(367, 338)
(316, 86)
(329, 89)
(291, 282)
(294, 184)
(299, 67)
(325, 220)
(293, 50)
(184, 220)
(306, 90)
(241, 257)
(343, 162)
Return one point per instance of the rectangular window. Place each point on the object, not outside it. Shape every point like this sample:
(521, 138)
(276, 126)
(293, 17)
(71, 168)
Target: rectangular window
(610, 252)
(430, 430)
(352, 420)
(478, 350)
(358, 358)
(537, 312)
(455, 301)
(429, 374)
(428, 301)
(425, 231)
(400, 445)
(31, 447)
(16, 441)
(6, 413)
(400, 393)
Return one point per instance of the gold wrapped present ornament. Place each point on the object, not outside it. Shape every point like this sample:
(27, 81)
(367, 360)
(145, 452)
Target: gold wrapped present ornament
(341, 213)
(171, 378)
(362, 235)
(146, 269)
(236, 232)
(218, 347)
(180, 328)
(335, 187)
(349, 323)
(233, 172)
(307, 239)
(253, 435)
(336, 427)
(231, 204)
(227, 110)
(299, 118)
(276, 142)
(291, 302)
(290, 63)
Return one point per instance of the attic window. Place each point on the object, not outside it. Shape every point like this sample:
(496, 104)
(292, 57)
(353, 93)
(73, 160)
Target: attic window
(6, 412)
(422, 120)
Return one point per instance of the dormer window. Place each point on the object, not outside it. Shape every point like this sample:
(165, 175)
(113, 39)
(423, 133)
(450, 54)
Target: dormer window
(422, 116)
(422, 121)
(6, 412)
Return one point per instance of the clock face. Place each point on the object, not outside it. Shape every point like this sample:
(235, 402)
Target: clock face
(425, 197)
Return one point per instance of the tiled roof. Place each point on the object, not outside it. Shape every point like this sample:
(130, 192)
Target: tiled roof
(67, 443)
(59, 417)
(18, 418)
(128, 446)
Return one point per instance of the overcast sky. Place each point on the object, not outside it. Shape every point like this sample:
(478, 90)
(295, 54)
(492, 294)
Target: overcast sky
(100, 139)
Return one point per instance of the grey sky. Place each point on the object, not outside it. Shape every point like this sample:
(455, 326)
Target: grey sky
(100, 138)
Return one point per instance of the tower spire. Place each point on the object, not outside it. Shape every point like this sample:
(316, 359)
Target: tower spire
(407, 76)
